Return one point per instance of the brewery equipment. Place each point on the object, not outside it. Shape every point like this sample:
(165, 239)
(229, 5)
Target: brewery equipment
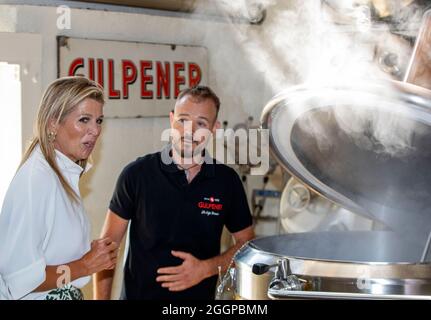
(366, 148)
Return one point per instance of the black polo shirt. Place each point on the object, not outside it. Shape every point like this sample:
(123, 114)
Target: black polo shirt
(167, 213)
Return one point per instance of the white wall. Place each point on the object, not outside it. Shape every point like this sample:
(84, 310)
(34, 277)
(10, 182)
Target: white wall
(241, 89)
(226, 59)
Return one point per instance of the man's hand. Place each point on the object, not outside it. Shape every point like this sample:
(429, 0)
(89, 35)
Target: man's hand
(188, 274)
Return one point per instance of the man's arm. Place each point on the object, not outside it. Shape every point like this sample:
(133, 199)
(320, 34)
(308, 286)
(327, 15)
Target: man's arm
(223, 260)
(115, 228)
(192, 270)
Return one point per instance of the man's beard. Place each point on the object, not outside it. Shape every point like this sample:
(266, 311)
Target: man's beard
(189, 153)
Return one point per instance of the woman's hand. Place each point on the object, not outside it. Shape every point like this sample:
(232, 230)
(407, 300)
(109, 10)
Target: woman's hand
(102, 256)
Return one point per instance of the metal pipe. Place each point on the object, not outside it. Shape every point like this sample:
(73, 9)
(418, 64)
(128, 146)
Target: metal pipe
(287, 294)
(419, 68)
(426, 249)
(419, 73)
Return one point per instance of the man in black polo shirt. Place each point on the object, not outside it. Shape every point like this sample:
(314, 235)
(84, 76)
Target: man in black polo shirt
(177, 202)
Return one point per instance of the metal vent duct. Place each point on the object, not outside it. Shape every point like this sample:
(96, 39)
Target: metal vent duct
(169, 5)
(254, 13)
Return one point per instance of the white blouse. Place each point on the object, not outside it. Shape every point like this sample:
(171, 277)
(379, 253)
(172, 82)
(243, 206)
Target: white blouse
(39, 226)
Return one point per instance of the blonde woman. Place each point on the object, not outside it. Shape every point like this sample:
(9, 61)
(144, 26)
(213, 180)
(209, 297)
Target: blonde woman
(45, 249)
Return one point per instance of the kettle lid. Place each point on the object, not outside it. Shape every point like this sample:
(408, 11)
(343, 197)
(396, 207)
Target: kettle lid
(366, 147)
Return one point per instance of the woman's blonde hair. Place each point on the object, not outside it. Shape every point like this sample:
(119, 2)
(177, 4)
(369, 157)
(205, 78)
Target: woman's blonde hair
(59, 100)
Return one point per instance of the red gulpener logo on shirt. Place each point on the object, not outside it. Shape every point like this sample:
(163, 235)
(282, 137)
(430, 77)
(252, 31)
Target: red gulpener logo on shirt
(210, 203)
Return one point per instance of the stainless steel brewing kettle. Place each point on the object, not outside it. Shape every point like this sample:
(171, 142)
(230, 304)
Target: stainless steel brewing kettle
(367, 148)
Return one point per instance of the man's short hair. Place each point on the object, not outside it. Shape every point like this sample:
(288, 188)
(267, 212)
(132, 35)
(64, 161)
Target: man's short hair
(201, 93)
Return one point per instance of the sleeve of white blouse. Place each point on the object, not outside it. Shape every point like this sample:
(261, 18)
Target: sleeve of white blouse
(24, 226)
(4, 290)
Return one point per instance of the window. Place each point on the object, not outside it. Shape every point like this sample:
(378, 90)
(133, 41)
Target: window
(10, 124)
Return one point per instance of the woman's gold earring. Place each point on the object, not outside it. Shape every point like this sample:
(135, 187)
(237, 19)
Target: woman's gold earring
(51, 136)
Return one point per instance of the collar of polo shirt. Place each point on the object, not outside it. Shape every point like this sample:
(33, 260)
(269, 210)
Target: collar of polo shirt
(168, 164)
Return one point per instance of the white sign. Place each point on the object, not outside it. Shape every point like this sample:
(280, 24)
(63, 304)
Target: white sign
(140, 79)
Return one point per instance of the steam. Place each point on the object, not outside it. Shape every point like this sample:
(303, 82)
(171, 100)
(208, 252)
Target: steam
(380, 132)
(405, 15)
(328, 43)
(334, 47)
